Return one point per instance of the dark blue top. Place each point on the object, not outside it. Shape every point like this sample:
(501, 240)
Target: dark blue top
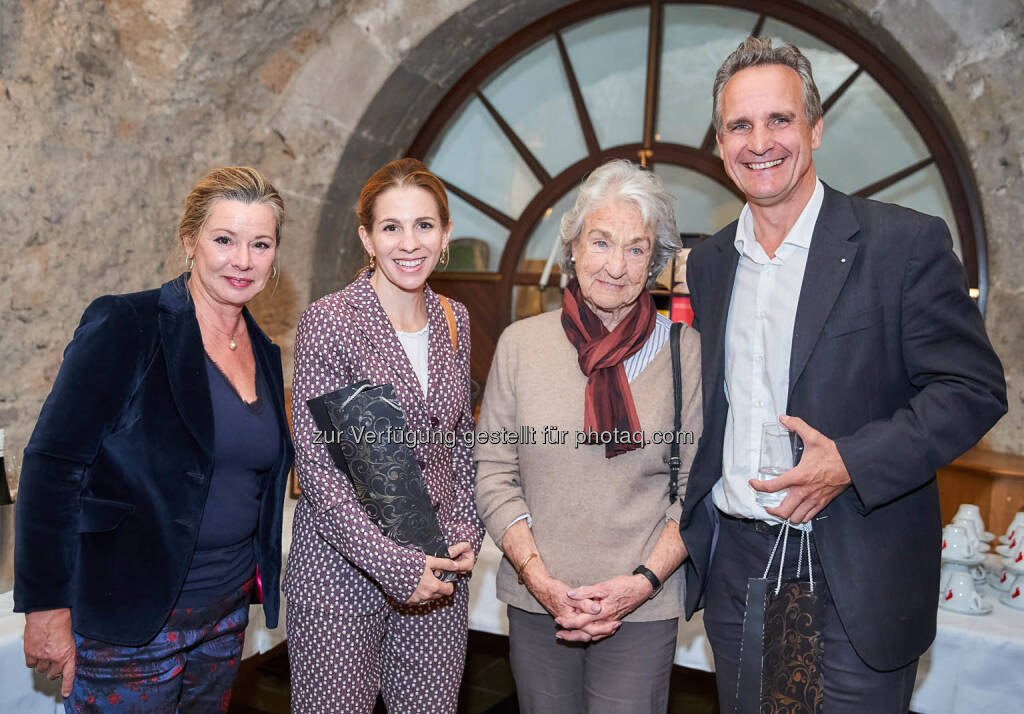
(246, 444)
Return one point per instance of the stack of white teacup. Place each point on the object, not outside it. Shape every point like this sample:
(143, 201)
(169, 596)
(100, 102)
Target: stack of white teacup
(964, 544)
(1010, 579)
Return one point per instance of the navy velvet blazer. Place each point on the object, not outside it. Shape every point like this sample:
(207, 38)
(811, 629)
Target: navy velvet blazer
(115, 476)
(891, 360)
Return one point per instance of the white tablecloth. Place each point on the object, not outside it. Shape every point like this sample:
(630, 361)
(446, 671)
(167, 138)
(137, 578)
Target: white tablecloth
(976, 663)
(973, 667)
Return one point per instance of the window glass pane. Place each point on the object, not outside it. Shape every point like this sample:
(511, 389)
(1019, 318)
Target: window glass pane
(924, 192)
(697, 39)
(829, 66)
(475, 155)
(532, 95)
(702, 205)
(867, 137)
(609, 58)
(545, 233)
(477, 241)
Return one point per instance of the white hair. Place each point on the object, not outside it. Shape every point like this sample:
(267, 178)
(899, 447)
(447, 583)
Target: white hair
(625, 181)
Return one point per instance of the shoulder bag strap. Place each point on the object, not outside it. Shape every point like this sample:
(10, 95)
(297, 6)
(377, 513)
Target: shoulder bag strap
(677, 420)
(449, 316)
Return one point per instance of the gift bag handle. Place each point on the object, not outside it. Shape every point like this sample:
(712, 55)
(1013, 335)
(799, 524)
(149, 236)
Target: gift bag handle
(362, 389)
(805, 537)
(783, 537)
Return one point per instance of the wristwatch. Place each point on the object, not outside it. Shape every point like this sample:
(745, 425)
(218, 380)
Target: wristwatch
(651, 577)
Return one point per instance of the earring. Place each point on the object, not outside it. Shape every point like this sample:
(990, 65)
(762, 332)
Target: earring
(190, 261)
(273, 272)
(373, 262)
(445, 256)
(572, 258)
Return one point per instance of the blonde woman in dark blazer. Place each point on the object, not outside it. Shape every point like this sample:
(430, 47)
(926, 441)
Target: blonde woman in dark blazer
(364, 613)
(153, 485)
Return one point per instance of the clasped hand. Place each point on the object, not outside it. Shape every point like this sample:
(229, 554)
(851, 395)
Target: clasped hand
(461, 560)
(592, 612)
(820, 476)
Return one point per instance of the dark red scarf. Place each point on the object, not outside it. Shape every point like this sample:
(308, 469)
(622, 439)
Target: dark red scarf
(608, 405)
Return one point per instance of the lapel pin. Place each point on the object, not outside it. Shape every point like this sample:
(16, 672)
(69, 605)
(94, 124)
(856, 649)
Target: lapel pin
(842, 260)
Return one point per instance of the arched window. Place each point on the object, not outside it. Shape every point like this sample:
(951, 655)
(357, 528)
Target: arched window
(596, 80)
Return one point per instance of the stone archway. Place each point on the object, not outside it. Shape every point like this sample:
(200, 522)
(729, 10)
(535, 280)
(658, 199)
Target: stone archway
(428, 70)
(961, 64)
(395, 115)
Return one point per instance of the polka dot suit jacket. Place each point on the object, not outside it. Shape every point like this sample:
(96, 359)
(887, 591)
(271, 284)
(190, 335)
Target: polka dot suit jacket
(345, 337)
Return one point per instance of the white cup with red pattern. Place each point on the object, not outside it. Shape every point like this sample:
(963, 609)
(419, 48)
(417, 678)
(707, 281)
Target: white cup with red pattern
(977, 572)
(1010, 548)
(959, 595)
(1014, 560)
(972, 532)
(1014, 530)
(1001, 580)
(1014, 595)
(958, 545)
(973, 513)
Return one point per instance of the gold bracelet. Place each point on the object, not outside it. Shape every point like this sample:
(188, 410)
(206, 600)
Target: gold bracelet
(522, 565)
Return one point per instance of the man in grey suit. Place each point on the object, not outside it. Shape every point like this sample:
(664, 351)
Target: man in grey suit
(850, 321)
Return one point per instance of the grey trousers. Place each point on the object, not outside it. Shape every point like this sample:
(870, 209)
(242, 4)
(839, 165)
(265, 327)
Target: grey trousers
(851, 686)
(627, 673)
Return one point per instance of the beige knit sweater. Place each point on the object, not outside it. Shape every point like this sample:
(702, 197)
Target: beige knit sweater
(593, 518)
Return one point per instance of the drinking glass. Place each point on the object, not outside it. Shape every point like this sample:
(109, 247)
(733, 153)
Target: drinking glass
(780, 451)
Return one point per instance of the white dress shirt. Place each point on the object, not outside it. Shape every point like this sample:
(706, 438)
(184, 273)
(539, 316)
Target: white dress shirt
(758, 341)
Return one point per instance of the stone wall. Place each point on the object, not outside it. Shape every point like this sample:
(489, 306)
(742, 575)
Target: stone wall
(972, 55)
(111, 109)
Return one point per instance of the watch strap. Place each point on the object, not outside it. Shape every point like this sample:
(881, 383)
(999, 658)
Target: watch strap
(651, 578)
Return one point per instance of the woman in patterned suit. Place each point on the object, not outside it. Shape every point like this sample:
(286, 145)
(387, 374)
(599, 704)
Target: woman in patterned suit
(364, 613)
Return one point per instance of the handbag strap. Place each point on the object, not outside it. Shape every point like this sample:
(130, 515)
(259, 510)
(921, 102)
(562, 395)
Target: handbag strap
(449, 316)
(677, 421)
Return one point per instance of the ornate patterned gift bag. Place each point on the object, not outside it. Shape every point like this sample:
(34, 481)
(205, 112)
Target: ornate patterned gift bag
(360, 424)
(783, 640)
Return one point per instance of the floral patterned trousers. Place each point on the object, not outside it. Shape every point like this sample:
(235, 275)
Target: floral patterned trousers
(188, 667)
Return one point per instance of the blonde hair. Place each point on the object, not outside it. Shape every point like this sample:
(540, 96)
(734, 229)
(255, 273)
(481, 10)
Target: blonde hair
(233, 183)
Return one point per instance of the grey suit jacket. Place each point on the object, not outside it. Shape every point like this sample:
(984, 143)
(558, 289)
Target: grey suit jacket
(891, 360)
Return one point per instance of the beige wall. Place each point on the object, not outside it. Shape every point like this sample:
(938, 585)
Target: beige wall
(112, 109)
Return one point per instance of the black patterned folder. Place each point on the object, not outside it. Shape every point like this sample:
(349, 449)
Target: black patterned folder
(359, 424)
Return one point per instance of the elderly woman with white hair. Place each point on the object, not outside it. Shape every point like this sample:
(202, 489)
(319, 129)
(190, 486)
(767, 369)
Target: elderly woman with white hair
(585, 512)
